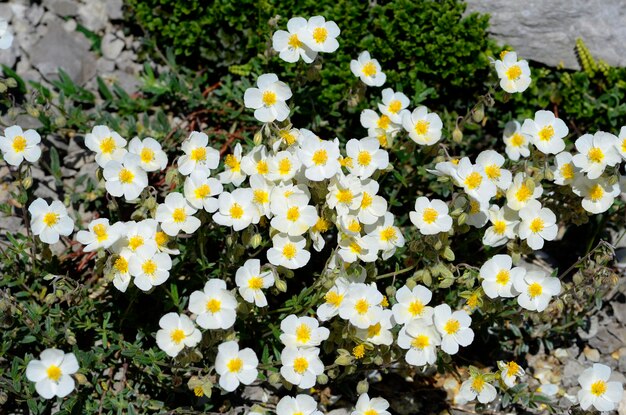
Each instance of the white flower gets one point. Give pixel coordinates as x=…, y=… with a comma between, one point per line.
x=385, y=235
x=373, y=406
x=288, y=251
x=300, y=405
x=286, y=137
x=547, y=389
x=215, y=306
x=344, y=194
x=378, y=333
x=377, y=124
x=412, y=304
x=6, y=37
x=498, y=276
x=200, y=191
x=620, y=145
x=393, y=104
x=320, y=158
x=522, y=191
x=235, y=366
x=301, y=366
x=514, y=75
x=269, y=99
x=302, y=332
x=237, y=209
x=474, y=181
x=175, y=214
x=256, y=162
x=454, y=328
x=491, y=163
x=372, y=206
x=289, y=43
x=197, y=154
x=421, y=339
x=162, y=239
x=504, y=222
x=149, y=267
x=509, y=372
x=537, y=224
x=546, y=132
x=536, y=290
x=152, y=157
x=283, y=166
x=368, y=70
x=140, y=234
x=598, y=195
x=233, y=173
x=262, y=190
x=17, y=145
x=423, y=127
x=333, y=299
x=431, y=217
x=352, y=248
x=125, y=178
x=49, y=221
x=477, y=214
x=100, y=234
x=107, y=144
x=596, y=153
x=366, y=157
x=119, y=268
x=597, y=391
x=477, y=387
x=320, y=35
x=361, y=305
x=516, y=142
x=251, y=281
x=294, y=217
x=564, y=170
x=177, y=331
x=52, y=373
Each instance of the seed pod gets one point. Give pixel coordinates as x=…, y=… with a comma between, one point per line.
x=362, y=387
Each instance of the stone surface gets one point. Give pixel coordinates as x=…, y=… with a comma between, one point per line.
x=546, y=31
x=60, y=49
x=62, y=7
x=111, y=46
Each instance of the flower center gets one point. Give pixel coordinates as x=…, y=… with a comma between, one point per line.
x=598, y=388
x=236, y=211
x=567, y=171
x=371, y=411
x=523, y=193
x=421, y=127
x=149, y=267
x=473, y=180
x=513, y=73
x=537, y=225
x=289, y=251
x=235, y=365
x=492, y=171
x=300, y=365
x=202, y=191
x=430, y=215
x=232, y=162
x=121, y=265
x=373, y=331
x=287, y=136
x=535, y=289
x=452, y=326
x=333, y=298
x=135, y=242
x=303, y=334
x=293, y=213
x=322, y=225
x=126, y=176
x=517, y=140
x=100, y=230
x=478, y=383
x=355, y=248
x=269, y=98
x=344, y=196
x=421, y=341
x=546, y=133
x=369, y=69
x=362, y=306
x=54, y=372
x=354, y=226
x=364, y=158
x=261, y=197
x=179, y=215
x=51, y=219
x=147, y=155
x=213, y=305
x=320, y=157
x=503, y=277
x=320, y=34
x=177, y=336
x=19, y=144
x=416, y=308
x=284, y=166
x=388, y=234
x=366, y=201
x=294, y=42
x=395, y=106
x=255, y=283
x=107, y=146
x=261, y=167
x=513, y=369
x=474, y=207
x=161, y=238
x=198, y=154
x=596, y=193
x=383, y=122
x=499, y=227
x=595, y=155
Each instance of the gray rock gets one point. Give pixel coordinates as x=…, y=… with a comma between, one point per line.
x=8, y=57
x=619, y=311
x=70, y=25
x=104, y=66
x=111, y=46
x=93, y=14
x=62, y=7
x=60, y=49
x=114, y=9
x=34, y=14
x=6, y=12
x=546, y=31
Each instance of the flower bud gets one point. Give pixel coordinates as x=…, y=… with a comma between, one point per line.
x=60, y=121
x=390, y=291
x=462, y=218
x=344, y=360
x=11, y=82
x=258, y=138
x=32, y=111
x=256, y=240
x=80, y=378
x=479, y=113
x=3, y=88
x=275, y=378
x=281, y=285
x=362, y=387
x=322, y=379
x=27, y=182
x=457, y=135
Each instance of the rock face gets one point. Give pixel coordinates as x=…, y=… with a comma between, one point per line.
x=546, y=30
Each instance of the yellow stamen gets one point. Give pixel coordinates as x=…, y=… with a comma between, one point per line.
x=289, y=251
x=213, y=305
x=452, y=326
x=107, y=145
x=300, y=365
x=54, y=373
x=430, y=215
x=235, y=365
x=269, y=98
x=19, y=144
x=177, y=336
